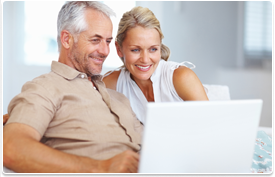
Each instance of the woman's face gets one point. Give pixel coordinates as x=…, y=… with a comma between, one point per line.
x=141, y=50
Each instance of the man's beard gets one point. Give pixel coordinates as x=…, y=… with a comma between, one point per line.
x=82, y=64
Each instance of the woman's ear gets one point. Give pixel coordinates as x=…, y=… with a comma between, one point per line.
x=66, y=39
x=118, y=50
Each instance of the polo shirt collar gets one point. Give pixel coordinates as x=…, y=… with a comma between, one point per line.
x=65, y=71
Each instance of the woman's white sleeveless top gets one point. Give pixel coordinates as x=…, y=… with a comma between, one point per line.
x=163, y=87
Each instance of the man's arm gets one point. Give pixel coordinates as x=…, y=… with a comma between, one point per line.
x=5, y=118
x=22, y=152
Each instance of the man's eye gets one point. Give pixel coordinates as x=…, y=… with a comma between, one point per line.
x=95, y=40
x=109, y=41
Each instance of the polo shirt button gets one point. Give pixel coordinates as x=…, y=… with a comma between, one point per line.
x=82, y=76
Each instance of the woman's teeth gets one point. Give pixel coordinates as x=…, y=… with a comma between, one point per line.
x=141, y=67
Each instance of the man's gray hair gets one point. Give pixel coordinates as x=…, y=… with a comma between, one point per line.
x=71, y=16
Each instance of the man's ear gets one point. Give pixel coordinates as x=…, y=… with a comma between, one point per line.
x=118, y=50
x=66, y=39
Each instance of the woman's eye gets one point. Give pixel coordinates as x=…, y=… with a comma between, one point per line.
x=154, y=49
x=135, y=50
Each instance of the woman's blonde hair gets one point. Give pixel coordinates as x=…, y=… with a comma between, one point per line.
x=140, y=16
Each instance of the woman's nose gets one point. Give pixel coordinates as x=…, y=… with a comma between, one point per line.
x=144, y=57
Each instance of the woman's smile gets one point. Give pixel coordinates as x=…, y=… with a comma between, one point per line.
x=143, y=67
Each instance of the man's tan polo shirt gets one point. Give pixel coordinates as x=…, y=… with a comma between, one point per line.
x=73, y=117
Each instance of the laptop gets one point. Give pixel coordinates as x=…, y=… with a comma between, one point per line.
x=200, y=136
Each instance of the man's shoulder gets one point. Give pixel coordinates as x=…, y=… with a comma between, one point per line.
x=46, y=81
x=46, y=78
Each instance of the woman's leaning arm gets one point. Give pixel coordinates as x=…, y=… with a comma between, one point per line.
x=188, y=85
x=110, y=80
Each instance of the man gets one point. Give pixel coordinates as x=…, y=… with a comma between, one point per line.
x=84, y=127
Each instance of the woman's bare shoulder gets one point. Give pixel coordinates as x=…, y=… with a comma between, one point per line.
x=110, y=80
x=183, y=72
x=187, y=84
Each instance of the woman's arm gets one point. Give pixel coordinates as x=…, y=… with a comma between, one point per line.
x=188, y=85
x=111, y=80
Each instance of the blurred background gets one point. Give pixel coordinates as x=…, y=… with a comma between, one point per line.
x=230, y=42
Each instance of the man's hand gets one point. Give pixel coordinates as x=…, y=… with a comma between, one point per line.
x=5, y=118
x=125, y=162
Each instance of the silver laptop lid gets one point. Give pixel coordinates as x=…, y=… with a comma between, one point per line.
x=200, y=136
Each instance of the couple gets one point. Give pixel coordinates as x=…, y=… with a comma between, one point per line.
x=68, y=121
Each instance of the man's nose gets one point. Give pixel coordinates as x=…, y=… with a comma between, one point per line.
x=104, y=48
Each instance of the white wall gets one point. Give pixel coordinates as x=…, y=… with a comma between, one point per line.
x=250, y=84
x=204, y=33
x=15, y=72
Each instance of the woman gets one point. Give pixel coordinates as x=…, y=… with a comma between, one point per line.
x=146, y=75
